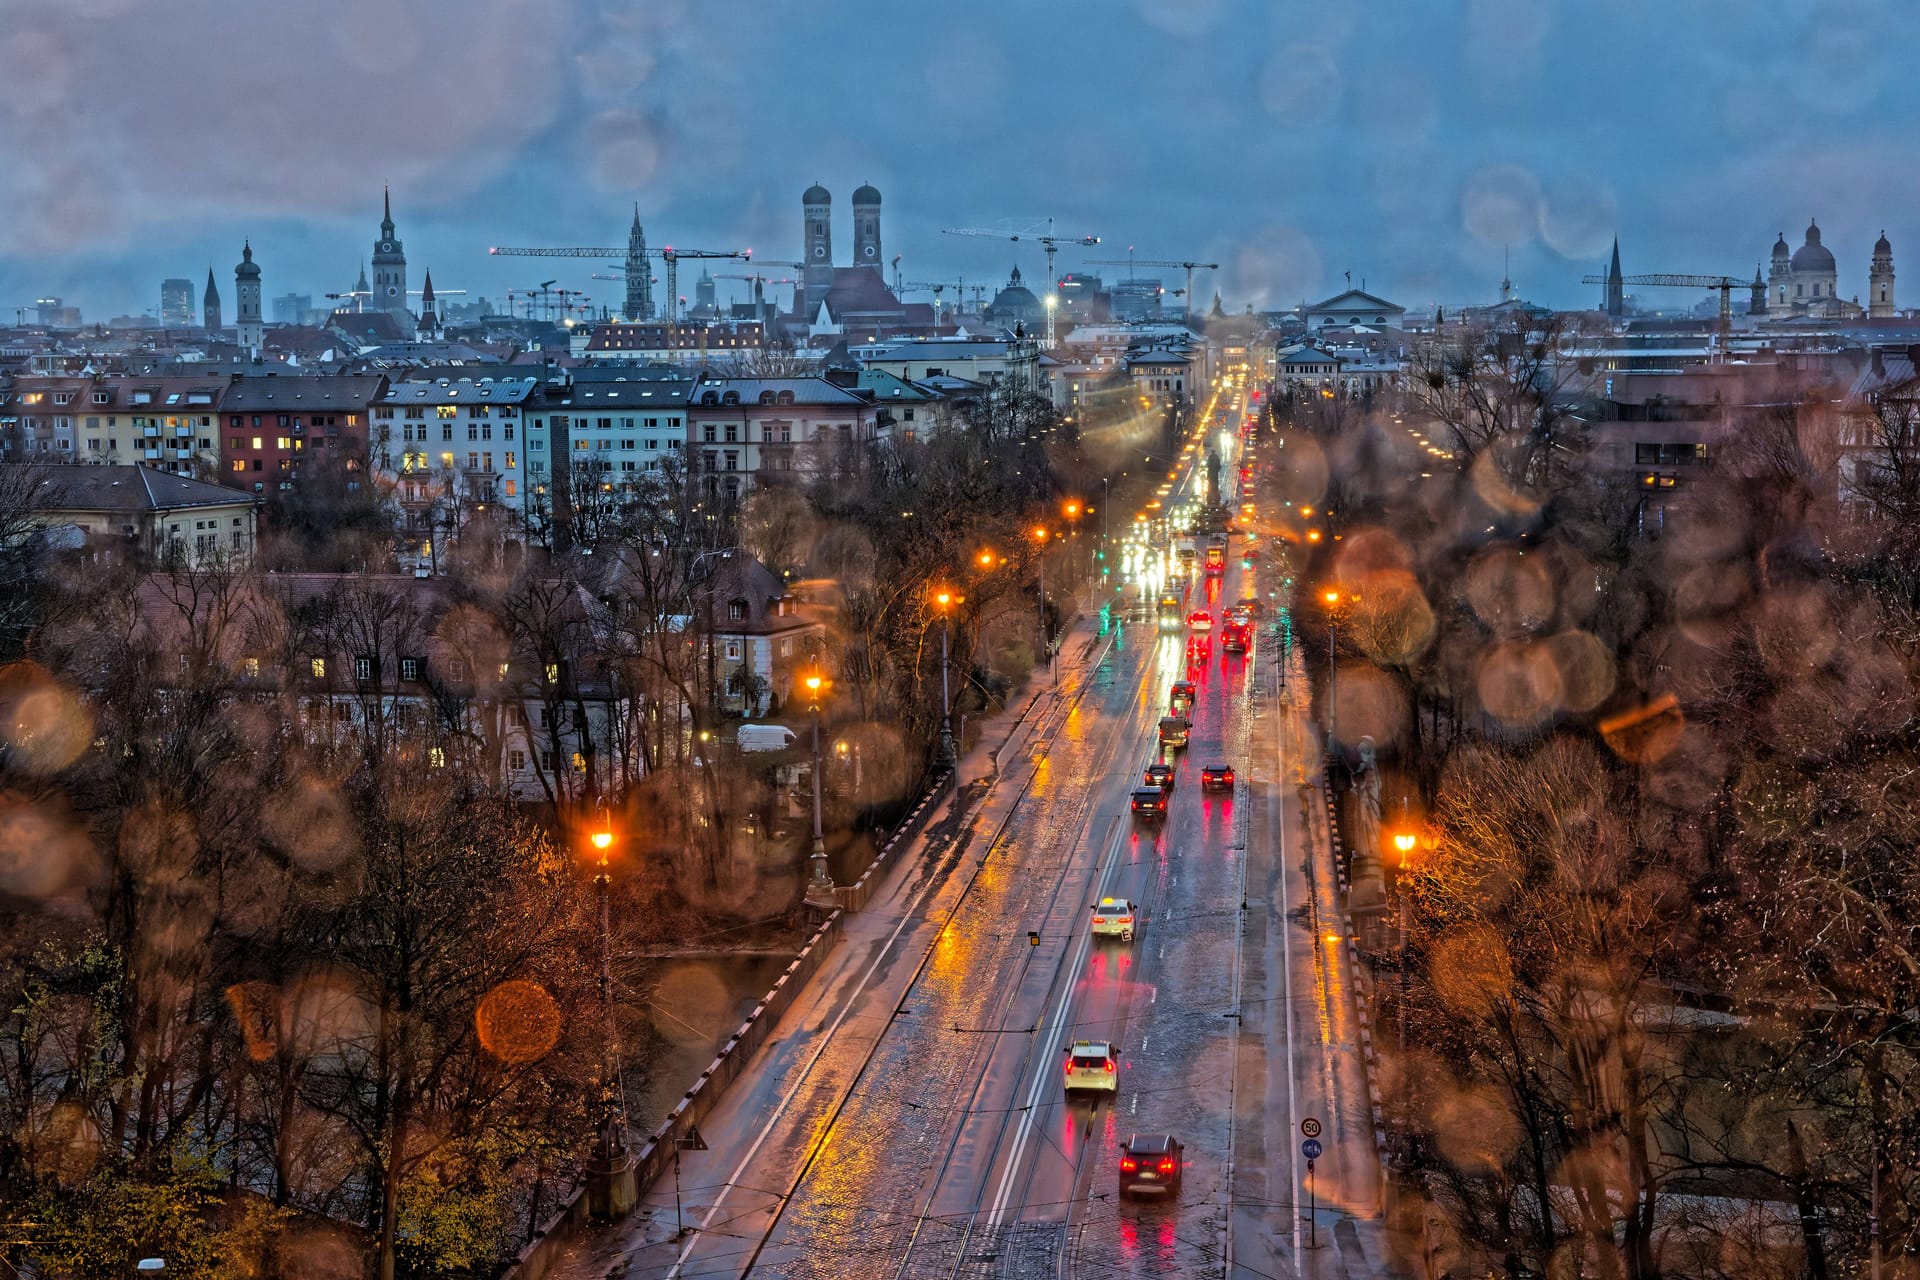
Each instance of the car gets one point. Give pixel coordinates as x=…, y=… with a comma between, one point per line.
x=1216, y=777
x=1093, y=1066
x=1182, y=696
x=1160, y=774
x=1200, y=622
x=1149, y=804
x=1174, y=731
x=1113, y=918
x=1151, y=1164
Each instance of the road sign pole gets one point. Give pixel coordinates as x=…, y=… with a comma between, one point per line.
x=1312, y=1150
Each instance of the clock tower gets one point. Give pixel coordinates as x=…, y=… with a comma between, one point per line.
x=389, y=268
x=817, y=238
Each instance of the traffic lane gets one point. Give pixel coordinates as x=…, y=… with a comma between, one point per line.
x=1024, y=1061
x=1162, y=998
x=1038, y=1166
x=860, y=1198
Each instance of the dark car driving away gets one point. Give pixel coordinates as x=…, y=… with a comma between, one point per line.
x=1151, y=1164
x=1216, y=777
x=1150, y=804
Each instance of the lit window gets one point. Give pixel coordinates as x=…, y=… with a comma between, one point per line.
x=253, y=668
x=579, y=762
x=319, y=668
x=436, y=758
x=257, y=440
x=553, y=673
x=445, y=410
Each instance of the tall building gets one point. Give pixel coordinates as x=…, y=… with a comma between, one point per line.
x=1880, y=281
x=639, y=273
x=1134, y=301
x=248, y=330
x=289, y=307
x=210, y=305
x=1616, y=285
x=176, y=303
x=390, y=268
x=866, y=227
x=816, y=205
x=1757, y=298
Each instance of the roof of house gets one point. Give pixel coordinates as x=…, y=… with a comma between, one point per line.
x=369, y=328
x=749, y=390
x=461, y=391
x=280, y=392
x=1354, y=300
x=884, y=387
x=117, y=488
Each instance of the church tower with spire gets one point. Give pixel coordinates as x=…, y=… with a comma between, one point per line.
x=248, y=328
x=1757, y=302
x=389, y=266
x=429, y=327
x=210, y=305
x=639, y=273
x=1616, y=285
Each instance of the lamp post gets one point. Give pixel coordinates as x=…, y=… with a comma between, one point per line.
x=1403, y=841
x=819, y=879
x=611, y=1186
x=1040, y=566
x=1332, y=598
x=945, y=600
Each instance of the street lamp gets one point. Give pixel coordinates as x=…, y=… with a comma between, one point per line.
x=945, y=600
x=819, y=880
x=609, y=1165
x=1040, y=566
x=1331, y=597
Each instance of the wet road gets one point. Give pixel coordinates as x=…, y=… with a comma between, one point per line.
x=909, y=1121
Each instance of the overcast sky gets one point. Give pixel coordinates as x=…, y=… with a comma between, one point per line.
x=1405, y=141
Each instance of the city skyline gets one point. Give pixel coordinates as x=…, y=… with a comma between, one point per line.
x=1433, y=146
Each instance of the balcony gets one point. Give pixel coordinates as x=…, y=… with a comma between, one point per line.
x=184, y=455
x=151, y=455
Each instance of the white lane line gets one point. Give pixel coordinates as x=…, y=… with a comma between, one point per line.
x=1278, y=808
x=1041, y=1078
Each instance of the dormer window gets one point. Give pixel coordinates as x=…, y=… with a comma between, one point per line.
x=736, y=611
x=785, y=397
x=709, y=398
x=732, y=397
x=766, y=397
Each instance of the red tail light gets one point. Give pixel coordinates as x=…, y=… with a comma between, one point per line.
x=1124, y=920
x=1166, y=1166
x=1128, y=1164
x=1109, y=1068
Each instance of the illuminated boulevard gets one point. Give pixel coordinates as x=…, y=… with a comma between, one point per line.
x=908, y=1117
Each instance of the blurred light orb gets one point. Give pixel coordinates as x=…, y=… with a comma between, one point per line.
x=1510, y=593
x=1518, y=684
x=39, y=854
x=1500, y=204
x=1585, y=667
x=517, y=1022
x=45, y=726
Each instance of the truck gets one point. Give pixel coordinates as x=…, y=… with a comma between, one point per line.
x=765, y=737
x=1216, y=558
x=1185, y=550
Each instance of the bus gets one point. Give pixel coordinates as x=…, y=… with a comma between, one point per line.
x=1169, y=612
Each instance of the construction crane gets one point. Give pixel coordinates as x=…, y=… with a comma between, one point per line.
x=1047, y=239
x=1130, y=262
x=666, y=255
x=923, y=286
x=759, y=280
x=1675, y=280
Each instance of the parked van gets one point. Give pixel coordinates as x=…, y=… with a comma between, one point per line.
x=765, y=737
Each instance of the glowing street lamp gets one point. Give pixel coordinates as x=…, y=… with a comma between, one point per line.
x=945, y=598
x=1040, y=566
x=819, y=878
x=609, y=1163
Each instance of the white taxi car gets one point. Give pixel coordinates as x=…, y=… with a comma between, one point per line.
x=1093, y=1066
x=1113, y=918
